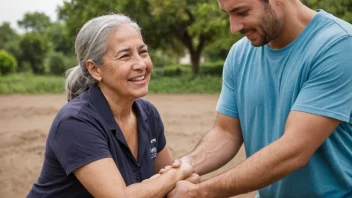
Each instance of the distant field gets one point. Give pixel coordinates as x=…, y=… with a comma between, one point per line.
x=30, y=84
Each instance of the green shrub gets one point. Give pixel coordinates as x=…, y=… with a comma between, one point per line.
x=30, y=83
x=56, y=63
x=212, y=68
x=188, y=83
x=8, y=63
x=176, y=70
x=25, y=67
x=160, y=59
x=34, y=49
x=173, y=70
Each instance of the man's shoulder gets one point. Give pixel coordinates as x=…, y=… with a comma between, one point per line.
x=327, y=32
x=340, y=26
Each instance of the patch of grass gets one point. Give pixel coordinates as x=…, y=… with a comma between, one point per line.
x=204, y=84
x=32, y=84
x=29, y=83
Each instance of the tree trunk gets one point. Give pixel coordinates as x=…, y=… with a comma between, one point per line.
x=195, y=60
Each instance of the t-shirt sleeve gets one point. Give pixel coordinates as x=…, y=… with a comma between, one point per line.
x=78, y=142
x=160, y=132
x=328, y=90
x=227, y=103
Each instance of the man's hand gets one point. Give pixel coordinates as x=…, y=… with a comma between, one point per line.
x=194, y=178
x=185, y=189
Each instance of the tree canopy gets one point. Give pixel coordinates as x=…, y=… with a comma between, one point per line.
x=35, y=22
x=165, y=24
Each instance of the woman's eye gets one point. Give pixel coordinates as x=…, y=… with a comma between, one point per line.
x=144, y=53
x=124, y=56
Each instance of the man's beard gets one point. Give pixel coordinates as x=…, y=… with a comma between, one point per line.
x=269, y=25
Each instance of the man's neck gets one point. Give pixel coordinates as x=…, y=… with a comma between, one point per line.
x=295, y=20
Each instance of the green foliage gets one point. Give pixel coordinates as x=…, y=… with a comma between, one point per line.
x=8, y=63
x=203, y=84
x=7, y=35
x=214, y=68
x=339, y=8
x=56, y=63
x=29, y=83
x=34, y=22
x=25, y=67
x=195, y=24
x=160, y=59
x=168, y=25
x=176, y=70
x=76, y=12
x=172, y=71
x=56, y=35
x=34, y=49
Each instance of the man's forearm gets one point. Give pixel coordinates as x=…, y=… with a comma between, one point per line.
x=213, y=151
x=263, y=168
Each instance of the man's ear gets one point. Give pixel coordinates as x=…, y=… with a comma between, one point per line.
x=94, y=71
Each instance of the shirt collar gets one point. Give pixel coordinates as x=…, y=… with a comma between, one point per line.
x=99, y=102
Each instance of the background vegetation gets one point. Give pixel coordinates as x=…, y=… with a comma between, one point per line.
x=35, y=61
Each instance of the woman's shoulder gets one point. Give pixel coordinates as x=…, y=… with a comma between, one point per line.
x=76, y=109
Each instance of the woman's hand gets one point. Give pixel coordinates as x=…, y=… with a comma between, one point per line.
x=193, y=178
x=186, y=169
x=176, y=164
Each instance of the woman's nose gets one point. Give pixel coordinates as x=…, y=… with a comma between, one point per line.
x=139, y=63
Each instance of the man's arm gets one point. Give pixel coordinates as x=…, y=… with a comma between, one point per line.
x=217, y=147
x=304, y=133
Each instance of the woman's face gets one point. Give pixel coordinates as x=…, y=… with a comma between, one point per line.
x=127, y=64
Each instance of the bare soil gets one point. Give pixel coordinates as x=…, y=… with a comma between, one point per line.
x=25, y=121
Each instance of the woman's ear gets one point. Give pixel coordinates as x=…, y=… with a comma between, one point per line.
x=94, y=71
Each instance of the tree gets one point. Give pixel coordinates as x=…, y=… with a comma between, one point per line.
x=165, y=24
x=7, y=35
x=56, y=35
x=33, y=50
x=194, y=23
x=36, y=22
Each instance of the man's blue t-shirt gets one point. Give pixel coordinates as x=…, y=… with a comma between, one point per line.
x=313, y=74
x=84, y=131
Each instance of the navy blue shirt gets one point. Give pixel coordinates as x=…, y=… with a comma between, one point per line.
x=84, y=131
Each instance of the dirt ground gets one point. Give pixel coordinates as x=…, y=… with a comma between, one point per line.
x=25, y=121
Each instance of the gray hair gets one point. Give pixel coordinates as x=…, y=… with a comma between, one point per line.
x=91, y=43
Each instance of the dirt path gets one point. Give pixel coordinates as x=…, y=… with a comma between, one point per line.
x=25, y=121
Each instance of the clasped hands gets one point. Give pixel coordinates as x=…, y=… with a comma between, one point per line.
x=187, y=187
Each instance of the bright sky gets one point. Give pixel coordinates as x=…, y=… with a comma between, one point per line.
x=14, y=10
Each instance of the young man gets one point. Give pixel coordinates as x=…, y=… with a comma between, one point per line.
x=287, y=95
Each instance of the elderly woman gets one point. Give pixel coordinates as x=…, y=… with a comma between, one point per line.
x=106, y=140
